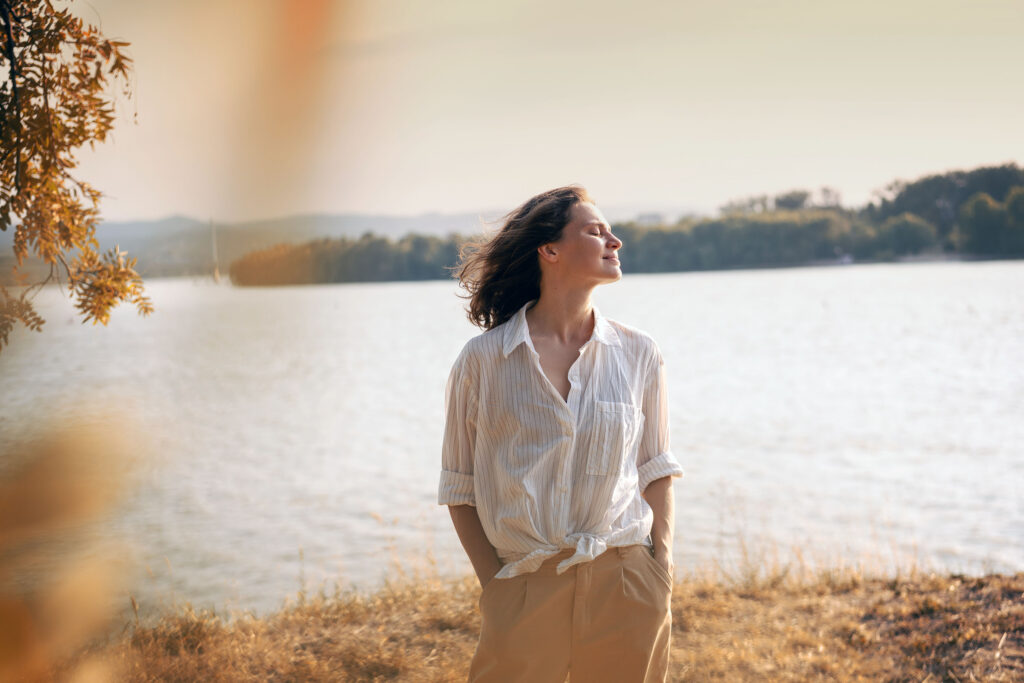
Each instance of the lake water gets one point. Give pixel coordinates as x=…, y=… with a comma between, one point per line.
x=846, y=414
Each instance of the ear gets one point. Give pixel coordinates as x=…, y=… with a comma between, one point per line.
x=548, y=252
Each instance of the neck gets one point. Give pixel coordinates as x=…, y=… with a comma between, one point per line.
x=566, y=315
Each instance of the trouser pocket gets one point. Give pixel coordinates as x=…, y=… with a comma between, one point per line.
x=658, y=568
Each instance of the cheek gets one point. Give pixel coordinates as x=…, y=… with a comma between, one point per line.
x=585, y=255
x=584, y=251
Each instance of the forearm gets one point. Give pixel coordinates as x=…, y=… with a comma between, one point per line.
x=474, y=541
x=660, y=497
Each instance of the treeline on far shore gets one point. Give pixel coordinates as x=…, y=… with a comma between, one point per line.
x=976, y=213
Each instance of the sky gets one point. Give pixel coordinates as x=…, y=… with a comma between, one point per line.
x=249, y=109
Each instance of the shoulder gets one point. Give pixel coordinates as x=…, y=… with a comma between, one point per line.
x=480, y=350
x=636, y=343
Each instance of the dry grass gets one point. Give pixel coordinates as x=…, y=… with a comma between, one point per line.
x=768, y=626
x=839, y=625
x=759, y=621
x=423, y=631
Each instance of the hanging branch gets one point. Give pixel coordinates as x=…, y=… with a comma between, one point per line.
x=58, y=102
x=7, y=17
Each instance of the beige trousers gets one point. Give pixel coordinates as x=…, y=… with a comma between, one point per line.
x=602, y=621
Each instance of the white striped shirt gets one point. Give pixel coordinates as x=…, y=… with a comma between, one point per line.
x=547, y=473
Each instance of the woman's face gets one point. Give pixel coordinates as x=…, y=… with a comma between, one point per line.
x=587, y=251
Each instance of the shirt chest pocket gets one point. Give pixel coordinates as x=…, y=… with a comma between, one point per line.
x=616, y=435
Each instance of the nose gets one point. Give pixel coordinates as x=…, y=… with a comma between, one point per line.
x=613, y=241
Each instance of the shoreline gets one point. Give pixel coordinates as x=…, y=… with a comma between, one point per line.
x=927, y=257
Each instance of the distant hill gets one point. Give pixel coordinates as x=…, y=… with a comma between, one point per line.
x=180, y=245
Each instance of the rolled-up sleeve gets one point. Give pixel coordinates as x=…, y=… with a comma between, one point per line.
x=655, y=459
x=456, y=485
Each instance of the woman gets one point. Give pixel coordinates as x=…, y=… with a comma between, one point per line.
x=555, y=461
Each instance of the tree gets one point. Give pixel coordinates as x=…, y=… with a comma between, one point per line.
x=793, y=200
x=830, y=198
x=754, y=204
x=907, y=234
x=939, y=198
x=985, y=223
x=53, y=100
x=1015, y=213
x=1015, y=205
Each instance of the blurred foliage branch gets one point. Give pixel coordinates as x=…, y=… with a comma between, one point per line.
x=54, y=99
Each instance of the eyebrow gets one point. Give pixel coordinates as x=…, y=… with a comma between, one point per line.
x=596, y=222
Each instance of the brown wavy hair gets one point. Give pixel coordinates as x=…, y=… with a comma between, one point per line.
x=502, y=272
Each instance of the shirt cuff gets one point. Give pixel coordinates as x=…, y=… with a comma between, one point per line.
x=455, y=488
x=662, y=465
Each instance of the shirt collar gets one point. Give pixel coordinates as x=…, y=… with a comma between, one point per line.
x=518, y=332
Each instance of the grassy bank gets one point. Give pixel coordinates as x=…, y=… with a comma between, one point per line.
x=825, y=625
